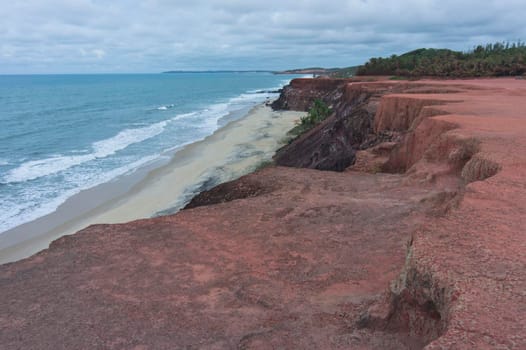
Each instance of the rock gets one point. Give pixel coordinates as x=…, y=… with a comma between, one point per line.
x=301, y=93
x=229, y=191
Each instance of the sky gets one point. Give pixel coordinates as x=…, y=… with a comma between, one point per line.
x=124, y=36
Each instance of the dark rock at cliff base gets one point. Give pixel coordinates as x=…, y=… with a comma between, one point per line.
x=229, y=191
x=332, y=144
x=329, y=146
x=301, y=93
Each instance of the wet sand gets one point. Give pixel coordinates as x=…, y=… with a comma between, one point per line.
x=162, y=188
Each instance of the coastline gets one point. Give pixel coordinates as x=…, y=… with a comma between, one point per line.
x=404, y=249
x=159, y=188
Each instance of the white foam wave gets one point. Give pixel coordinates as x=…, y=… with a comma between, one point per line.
x=43, y=167
x=126, y=138
x=184, y=116
x=36, y=168
x=18, y=212
x=15, y=214
x=247, y=98
x=166, y=107
x=211, y=115
x=271, y=90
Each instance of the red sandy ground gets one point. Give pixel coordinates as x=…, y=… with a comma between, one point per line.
x=312, y=260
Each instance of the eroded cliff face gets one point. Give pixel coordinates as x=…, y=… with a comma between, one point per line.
x=332, y=144
x=364, y=116
x=427, y=133
x=419, y=243
x=300, y=93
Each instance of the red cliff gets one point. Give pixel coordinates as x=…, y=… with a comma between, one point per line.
x=419, y=243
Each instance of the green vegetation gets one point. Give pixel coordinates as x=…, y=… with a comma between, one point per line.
x=499, y=59
x=317, y=113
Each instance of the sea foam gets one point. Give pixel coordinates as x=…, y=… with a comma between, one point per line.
x=166, y=107
x=37, y=187
x=35, y=169
x=13, y=214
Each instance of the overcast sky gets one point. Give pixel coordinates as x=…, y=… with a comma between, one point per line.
x=104, y=36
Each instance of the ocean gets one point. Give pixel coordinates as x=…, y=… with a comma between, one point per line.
x=61, y=134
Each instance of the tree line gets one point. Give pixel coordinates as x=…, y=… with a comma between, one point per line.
x=497, y=59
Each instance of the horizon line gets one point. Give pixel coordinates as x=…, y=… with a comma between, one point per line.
x=153, y=73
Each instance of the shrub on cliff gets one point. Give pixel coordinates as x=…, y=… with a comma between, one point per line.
x=317, y=113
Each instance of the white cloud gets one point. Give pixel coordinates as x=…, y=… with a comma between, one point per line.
x=99, y=53
x=153, y=35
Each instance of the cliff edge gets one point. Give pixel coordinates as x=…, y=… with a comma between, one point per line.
x=417, y=240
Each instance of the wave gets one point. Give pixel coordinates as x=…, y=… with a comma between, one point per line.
x=271, y=91
x=254, y=96
x=164, y=108
x=13, y=214
x=39, y=199
x=247, y=97
x=275, y=90
x=35, y=169
x=126, y=138
x=207, y=119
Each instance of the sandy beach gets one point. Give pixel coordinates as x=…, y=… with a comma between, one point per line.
x=232, y=151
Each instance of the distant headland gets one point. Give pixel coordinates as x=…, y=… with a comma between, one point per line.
x=215, y=71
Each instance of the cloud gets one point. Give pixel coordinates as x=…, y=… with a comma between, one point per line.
x=51, y=36
x=99, y=53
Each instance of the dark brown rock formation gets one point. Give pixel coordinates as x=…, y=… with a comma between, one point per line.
x=301, y=93
x=351, y=127
x=229, y=191
x=331, y=145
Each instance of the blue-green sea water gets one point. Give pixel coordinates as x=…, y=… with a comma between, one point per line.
x=60, y=134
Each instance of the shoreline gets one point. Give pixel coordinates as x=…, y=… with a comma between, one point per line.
x=161, y=187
